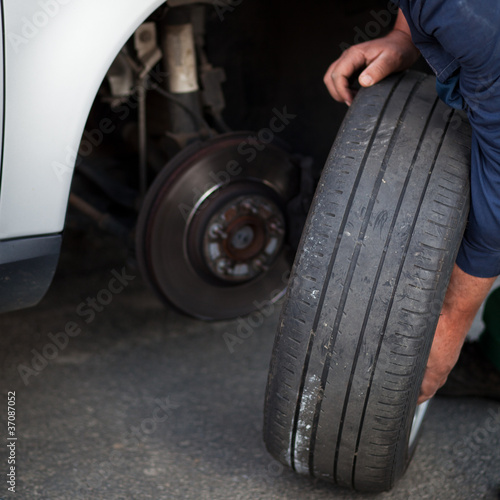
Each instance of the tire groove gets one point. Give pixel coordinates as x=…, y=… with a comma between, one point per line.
x=350, y=274
x=325, y=284
x=393, y=295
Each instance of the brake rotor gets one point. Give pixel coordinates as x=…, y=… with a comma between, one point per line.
x=211, y=235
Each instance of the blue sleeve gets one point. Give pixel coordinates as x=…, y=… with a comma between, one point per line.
x=470, y=31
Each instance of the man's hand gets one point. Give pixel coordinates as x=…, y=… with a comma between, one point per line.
x=463, y=299
x=381, y=57
x=445, y=350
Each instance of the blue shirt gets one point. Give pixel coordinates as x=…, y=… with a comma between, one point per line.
x=460, y=39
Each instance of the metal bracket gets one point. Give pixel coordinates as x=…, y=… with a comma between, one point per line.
x=146, y=45
x=149, y=54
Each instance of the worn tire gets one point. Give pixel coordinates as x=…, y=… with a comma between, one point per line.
x=367, y=287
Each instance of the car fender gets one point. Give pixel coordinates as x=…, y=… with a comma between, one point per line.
x=56, y=54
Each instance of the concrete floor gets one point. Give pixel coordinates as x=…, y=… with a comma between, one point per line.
x=148, y=404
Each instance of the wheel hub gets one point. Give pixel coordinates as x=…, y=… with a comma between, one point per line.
x=244, y=238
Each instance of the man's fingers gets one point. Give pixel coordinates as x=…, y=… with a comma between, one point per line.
x=422, y=399
x=435, y=377
x=338, y=74
x=330, y=82
x=378, y=66
x=338, y=85
x=425, y=394
x=339, y=89
x=379, y=57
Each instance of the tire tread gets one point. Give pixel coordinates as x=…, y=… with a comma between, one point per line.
x=361, y=293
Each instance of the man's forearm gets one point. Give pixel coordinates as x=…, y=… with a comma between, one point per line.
x=401, y=24
x=463, y=299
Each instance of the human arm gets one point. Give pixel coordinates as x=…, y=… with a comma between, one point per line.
x=463, y=298
x=474, y=42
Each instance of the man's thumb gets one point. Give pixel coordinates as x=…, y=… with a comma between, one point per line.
x=366, y=80
x=377, y=70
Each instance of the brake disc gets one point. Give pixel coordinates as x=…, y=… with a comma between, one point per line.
x=211, y=235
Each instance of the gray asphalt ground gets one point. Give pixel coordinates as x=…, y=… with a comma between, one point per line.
x=147, y=404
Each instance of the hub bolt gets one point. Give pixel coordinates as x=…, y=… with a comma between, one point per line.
x=275, y=227
x=248, y=206
x=259, y=265
x=223, y=266
x=216, y=231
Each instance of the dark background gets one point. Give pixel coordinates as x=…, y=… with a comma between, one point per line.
x=276, y=53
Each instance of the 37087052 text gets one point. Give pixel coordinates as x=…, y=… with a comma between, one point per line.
x=11, y=441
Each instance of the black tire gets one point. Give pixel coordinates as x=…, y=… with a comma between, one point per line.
x=367, y=287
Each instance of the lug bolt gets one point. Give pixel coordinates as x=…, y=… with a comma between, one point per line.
x=216, y=231
x=259, y=265
x=275, y=227
x=249, y=207
x=223, y=266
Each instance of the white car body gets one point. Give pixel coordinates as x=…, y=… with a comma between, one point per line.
x=56, y=54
